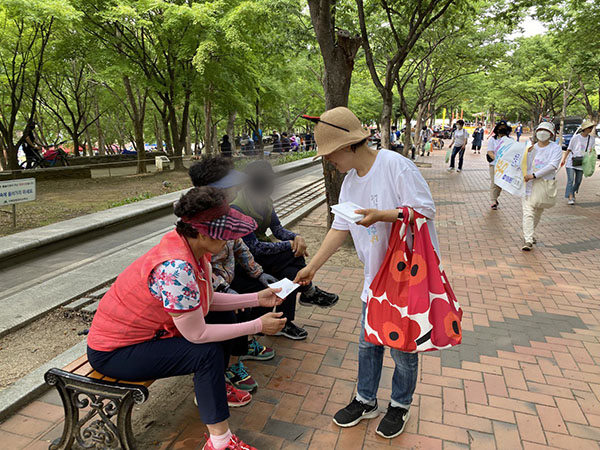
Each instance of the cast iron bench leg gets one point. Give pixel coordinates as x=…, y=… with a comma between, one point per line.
x=106, y=409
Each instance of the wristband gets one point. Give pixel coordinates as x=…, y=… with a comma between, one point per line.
x=400, y=215
x=533, y=175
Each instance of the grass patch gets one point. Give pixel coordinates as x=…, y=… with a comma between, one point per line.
x=128, y=200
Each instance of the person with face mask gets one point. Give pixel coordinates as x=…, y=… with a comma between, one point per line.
x=543, y=159
x=282, y=259
x=500, y=136
x=573, y=158
x=458, y=144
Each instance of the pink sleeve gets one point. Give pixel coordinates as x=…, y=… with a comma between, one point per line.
x=193, y=327
x=231, y=302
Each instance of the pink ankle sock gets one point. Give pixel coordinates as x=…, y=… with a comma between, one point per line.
x=219, y=442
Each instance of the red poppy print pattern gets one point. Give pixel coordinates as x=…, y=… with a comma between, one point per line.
x=411, y=305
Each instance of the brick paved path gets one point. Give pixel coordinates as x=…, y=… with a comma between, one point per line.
x=526, y=376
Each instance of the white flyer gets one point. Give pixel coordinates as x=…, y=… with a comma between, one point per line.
x=287, y=287
x=346, y=211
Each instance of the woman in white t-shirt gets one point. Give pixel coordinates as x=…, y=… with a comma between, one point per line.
x=579, y=145
x=543, y=160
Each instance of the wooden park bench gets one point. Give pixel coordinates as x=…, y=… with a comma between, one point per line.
x=97, y=408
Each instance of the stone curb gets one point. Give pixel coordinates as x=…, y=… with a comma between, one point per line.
x=31, y=385
x=26, y=241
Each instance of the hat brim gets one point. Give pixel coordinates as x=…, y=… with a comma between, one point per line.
x=232, y=179
x=328, y=149
x=233, y=225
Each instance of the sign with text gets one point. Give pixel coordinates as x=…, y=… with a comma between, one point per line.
x=17, y=191
x=508, y=174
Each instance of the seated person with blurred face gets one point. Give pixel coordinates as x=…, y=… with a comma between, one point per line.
x=235, y=257
x=161, y=317
x=284, y=258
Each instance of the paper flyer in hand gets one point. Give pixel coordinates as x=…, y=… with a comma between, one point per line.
x=346, y=211
x=287, y=287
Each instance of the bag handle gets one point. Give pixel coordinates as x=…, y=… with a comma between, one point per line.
x=587, y=144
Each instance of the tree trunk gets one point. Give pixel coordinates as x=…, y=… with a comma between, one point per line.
x=168, y=142
x=231, y=129
x=101, y=149
x=386, y=119
x=89, y=144
x=158, y=134
x=3, y=160
x=208, y=128
x=138, y=111
x=338, y=49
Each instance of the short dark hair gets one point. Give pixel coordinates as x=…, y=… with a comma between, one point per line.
x=193, y=202
x=209, y=169
x=460, y=122
x=353, y=147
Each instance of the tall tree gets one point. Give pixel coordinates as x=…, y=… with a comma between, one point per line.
x=338, y=48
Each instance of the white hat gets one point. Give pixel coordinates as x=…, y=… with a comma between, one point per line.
x=548, y=126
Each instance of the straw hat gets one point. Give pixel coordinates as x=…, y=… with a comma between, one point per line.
x=587, y=123
x=336, y=129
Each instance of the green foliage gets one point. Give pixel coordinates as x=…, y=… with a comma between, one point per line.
x=128, y=200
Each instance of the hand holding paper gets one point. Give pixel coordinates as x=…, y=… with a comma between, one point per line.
x=287, y=287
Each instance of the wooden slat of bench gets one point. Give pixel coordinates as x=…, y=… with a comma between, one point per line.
x=84, y=370
x=76, y=364
x=81, y=366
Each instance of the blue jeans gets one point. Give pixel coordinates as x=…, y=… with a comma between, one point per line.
x=461, y=156
x=370, y=364
x=574, y=177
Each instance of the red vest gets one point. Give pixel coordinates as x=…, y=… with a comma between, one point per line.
x=129, y=314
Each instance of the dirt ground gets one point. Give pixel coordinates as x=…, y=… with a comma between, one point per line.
x=39, y=342
x=65, y=199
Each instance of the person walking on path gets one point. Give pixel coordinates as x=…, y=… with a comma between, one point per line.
x=499, y=137
x=573, y=157
x=226, y=149
x=519, y=131
x=477, y=139
x=458, y=145
x=543, y=160
x=379, y=181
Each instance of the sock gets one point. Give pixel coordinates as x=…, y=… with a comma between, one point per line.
x=219, y=442
x=310, y=291
x=396, y=404
x=364, y=400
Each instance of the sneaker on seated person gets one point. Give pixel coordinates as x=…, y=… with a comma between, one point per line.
x=238, y=375
x=292, y=331
x=258, y=352
x=233, y=443
x=318, y=297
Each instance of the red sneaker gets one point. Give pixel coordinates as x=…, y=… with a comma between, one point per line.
x=234, y=444
x=236, y=397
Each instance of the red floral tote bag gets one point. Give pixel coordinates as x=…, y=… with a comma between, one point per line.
x=411, y=305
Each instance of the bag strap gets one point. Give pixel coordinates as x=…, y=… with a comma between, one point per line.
x=587, y=144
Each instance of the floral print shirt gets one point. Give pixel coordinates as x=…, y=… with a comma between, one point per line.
x=174, y=284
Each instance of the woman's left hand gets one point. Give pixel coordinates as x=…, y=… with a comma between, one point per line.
x=268, y=298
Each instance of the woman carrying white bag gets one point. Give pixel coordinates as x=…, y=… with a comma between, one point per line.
x=543, y=160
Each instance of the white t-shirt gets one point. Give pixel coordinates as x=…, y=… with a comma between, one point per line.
x=392, y=181
x=578, y=146
x=543, y=161
x=460, y=137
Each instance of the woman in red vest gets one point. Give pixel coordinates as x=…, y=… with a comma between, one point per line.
x=152, y=322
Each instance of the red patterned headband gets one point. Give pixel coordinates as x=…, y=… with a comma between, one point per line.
x=207, y=215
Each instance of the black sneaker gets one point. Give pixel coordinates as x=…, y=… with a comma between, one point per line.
x=393, y=422
x=319, y=298
x=291, y=331
x=354, y=413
